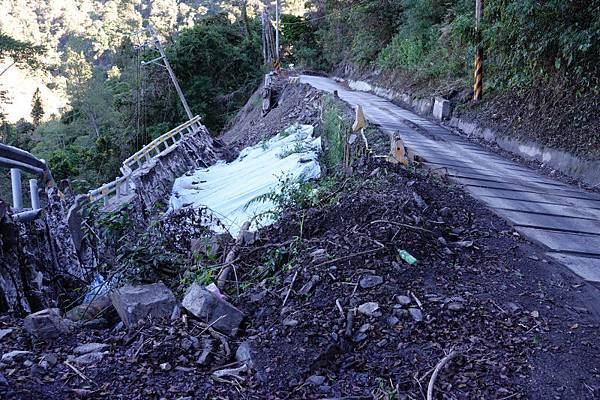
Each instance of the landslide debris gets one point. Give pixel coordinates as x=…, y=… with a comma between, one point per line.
x=323, y=304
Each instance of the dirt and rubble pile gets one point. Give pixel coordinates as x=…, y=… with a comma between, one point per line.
x=295, y=103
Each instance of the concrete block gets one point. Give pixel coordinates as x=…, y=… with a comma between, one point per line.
x=212, y=309
x=423, y=106
x=134, y=303
x=441, y=108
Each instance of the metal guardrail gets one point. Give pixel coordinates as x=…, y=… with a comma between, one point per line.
x=145, y=154
x=122, y=185
x=20, y=160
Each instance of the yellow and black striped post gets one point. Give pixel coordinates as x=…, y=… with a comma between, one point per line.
x=478, y=75
x=277, y=65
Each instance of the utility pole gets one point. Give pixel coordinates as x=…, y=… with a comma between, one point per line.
x=277, y=7
x=277, y=59
x=163, y=58
x=478, y=73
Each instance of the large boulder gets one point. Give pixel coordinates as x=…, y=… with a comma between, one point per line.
x=46, y=324
x=135, y=303
x=212, y=309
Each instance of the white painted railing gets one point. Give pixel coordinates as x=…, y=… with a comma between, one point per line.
x=174, y=135
x=18, y=161
x=121, y=186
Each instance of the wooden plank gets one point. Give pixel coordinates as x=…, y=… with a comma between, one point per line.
x=562, y=242
x=586, y=267
x=542, y=208
x=526, y=219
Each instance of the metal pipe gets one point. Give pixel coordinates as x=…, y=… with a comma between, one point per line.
x=17, y=195
x=23, y=156
x=26, y=216
x=11, y=163
x=35, y=196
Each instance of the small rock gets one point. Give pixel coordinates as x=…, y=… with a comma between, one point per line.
x=90, y=348
x=118, y=326
x=89, y=358
x=318, y=256
x=186, y=344
x=50, y=358
x=464, y=243
x=15, y=355
x=535, y=314
x=513, y=307
x=37, y=371
x=359, y=337
x=316, y=380
x=392, y=321
x=308, y=286
x=445, y=212
x=5, y=332
x=404, y=300
x=183, y=359
x=207, y=348
x=369, y=281
x=243, y=354
x=370, y=309
x=325, y=389
x=455, y=306
x=165, y=366
x=3, y=381
x=27, y=363
x=290, y=322
x=256, y=297
x=382, y=343
x=416, y=314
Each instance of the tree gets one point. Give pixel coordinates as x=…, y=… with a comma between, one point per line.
x=37, y=110
x=23, y=54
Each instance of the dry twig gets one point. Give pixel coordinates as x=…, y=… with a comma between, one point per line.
x=436, y=372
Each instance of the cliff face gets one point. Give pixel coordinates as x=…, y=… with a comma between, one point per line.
x=38, y=260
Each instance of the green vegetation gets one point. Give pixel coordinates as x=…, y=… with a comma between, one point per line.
x=37, y=109
x=526, y=42
x=335, y=133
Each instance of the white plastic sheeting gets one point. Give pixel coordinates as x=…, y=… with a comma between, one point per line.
x=227, y=188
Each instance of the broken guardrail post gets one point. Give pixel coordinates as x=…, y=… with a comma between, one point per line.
x=35, y=196
x=17, y=195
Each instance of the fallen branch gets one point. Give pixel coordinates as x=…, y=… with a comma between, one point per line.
x=382, y=221
x=436, y=372
x=78, y=372
x=231, y=256
x=290, y=289
x=362, y=253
